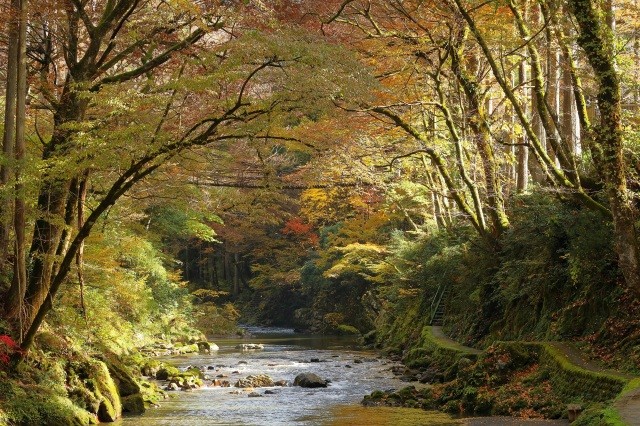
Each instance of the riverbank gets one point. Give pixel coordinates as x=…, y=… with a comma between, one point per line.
x=62, y=383
x=457, y=380
x=548, y=380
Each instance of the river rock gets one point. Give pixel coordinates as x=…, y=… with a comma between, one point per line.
x=310, y=380
x=431, y=375
x=172, y=387
x=207, y=347
x=221, y=383
x=250, y=346
x=150, y=368
x=133, y=404
x=166, y=372
x=254, y=395
x=281, y=383
x=255, y=381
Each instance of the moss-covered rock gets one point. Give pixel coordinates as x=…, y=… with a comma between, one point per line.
x=133, y=404
x=408, y=396
x=121, y=376
x=417, y=358
x=346, y=329
x=151, y=394
x=107, y=412
x=186, y=349
x=151, y=367
x=48, y=341
x=35, y=405
x=196, y=372
x=166, y=372
x=94, y=374
x=85, y=399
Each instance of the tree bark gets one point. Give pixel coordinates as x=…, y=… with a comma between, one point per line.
x=8, y=137
x=20, y=222
x=522, y=180
x=597, y=42
x=14, y=306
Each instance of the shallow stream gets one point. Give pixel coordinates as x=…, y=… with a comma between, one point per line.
x=353, y=373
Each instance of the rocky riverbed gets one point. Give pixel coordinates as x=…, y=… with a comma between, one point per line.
x=260, y=389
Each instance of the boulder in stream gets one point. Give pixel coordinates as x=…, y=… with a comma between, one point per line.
x=255, y=381
x=205, y=347
x=310, y=380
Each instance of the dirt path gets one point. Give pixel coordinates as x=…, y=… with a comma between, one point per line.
x=437, y=332
x=577, y=357
x=629, y=407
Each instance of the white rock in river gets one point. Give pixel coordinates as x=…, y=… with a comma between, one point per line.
x=250, y=346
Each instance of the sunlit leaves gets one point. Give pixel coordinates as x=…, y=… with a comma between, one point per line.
x=356, y=258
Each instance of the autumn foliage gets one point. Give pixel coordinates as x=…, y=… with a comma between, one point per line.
x=301, y=231
x=7, y=348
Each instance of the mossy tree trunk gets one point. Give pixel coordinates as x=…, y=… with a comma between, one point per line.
x=15, y=150
x=596, y=39
x=478, y=122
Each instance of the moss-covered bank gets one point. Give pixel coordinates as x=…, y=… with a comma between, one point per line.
x=59, y=384
x=528, y=379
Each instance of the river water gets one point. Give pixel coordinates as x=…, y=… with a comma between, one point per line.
x=353, y=373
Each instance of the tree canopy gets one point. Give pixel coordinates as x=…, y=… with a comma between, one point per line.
x=274, y=146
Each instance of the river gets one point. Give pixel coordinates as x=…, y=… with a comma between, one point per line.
x=353, y=373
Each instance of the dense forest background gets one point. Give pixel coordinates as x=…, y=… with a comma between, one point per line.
x=356, y=166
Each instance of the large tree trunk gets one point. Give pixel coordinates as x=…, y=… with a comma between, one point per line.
x=596, y=40
x=8, y=139
x=56, y=207
x=552, y=94
x=20, y=222
x=14, y=303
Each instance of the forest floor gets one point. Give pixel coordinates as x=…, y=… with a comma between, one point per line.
x=627, y=406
